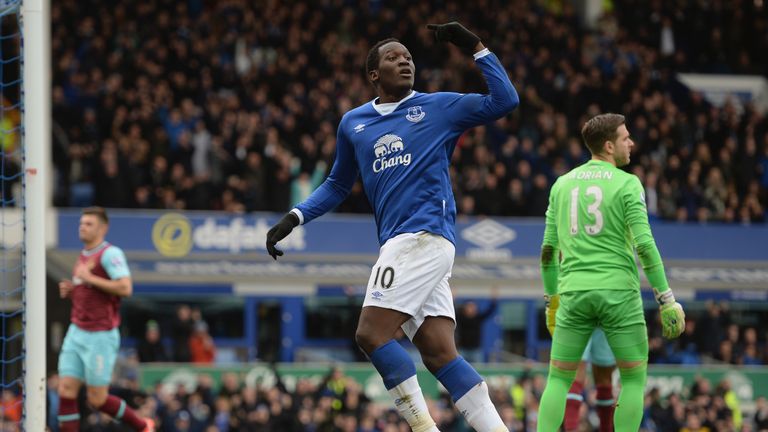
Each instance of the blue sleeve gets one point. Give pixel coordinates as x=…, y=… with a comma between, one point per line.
x=469, y=110
x=114, y=262
x=336, y=187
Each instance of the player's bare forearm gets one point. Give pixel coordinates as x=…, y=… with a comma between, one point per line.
x=122, y=287
x=479, y=47
x=65, y=288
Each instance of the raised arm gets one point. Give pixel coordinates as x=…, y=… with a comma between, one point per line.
x=475, y=109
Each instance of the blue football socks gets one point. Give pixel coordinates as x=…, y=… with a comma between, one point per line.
x=393, y=363
x=458, y=377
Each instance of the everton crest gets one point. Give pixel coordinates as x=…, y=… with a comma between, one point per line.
x=415, y=114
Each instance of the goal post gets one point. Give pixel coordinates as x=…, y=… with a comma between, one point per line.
x=36, y=53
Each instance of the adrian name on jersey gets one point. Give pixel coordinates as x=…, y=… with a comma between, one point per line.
x=590, y=175
x=389, y=153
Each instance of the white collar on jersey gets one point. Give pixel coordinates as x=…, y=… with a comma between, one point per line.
x=389, y=107
x=89, y=252
x=386, y=108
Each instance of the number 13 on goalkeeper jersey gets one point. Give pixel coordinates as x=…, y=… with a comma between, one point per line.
x=596, y=218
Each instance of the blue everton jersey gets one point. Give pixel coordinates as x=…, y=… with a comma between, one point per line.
x=403, y=155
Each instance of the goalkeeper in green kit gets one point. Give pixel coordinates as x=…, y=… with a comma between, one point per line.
x=596, y=217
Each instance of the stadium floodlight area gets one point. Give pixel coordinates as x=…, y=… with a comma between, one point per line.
x=24, y=150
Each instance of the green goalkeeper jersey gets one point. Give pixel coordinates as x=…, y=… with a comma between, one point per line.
x=595, y=219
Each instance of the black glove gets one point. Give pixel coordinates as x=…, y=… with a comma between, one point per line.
x=457, y=34
x=279, y=232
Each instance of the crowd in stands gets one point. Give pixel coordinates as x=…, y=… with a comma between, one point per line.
x=233, y=105
x=714, y=334
x=191, y=341
x=705, y=409
x=338, y=403
x=711, y=336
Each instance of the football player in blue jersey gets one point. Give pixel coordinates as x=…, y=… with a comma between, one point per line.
x=401, y=144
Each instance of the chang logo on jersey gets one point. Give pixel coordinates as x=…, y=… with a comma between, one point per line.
x=389, y=153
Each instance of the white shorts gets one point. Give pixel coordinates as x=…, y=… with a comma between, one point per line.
x=411, y=276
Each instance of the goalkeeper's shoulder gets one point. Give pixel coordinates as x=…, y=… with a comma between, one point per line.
x=558, y=184
x=632, y=191
x=627, y=179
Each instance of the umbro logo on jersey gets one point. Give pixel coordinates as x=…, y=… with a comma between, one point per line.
x=377, y=295
x=359, y=128
x=389, y=153
x=415, y=114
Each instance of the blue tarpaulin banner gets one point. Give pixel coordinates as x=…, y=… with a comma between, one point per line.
x=185, y=234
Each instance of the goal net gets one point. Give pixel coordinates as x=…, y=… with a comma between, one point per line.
x=11, y=218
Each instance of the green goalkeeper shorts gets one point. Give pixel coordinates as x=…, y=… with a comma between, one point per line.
x=618, y=312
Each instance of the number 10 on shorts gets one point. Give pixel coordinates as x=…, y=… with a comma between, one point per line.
x=387, y=277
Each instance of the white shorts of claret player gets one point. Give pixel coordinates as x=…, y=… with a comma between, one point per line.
x=411, y=276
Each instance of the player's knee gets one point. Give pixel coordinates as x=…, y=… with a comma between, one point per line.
x=367, y=340
x=68, y=388
x=629, y=364
x=565, y=365
x=633, y=372
x=435, y=361
x=97, y=397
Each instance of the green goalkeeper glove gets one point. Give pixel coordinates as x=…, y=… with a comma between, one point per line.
x=551, y=303
x=672, y=315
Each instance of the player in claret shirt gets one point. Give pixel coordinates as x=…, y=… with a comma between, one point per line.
x=401, y=144
x=99, y=280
